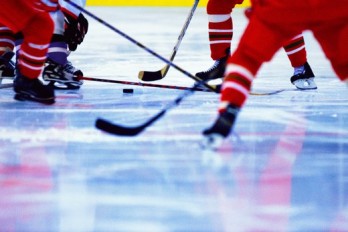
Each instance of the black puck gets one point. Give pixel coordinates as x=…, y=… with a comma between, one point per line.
x=128, y=90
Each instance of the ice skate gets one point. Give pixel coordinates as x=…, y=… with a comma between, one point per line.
x=32, y=90
x=216, y=71
x=62, y=77
x=7, y=66
x=214, y=136
x=304, y=79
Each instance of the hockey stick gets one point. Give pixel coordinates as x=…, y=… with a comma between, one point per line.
x=115, y=129
x=272, y=92
x=213, y=88
x=144, y=84
x=160, y=74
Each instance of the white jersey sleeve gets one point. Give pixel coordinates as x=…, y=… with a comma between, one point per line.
x=71, y=10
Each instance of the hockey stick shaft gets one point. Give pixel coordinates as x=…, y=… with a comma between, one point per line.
x=143, y=84
x=163, y=86
x=153, y=76
x=115, y=129
x=142, y=46
x=182, y=34
x=272, y=92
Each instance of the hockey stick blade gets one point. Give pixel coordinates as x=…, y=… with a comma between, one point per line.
x=160, y=74
x=151, y=75
x=115, y=129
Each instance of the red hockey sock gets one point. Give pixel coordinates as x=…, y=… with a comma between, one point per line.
x=296, y=51
x=6, y=39
x=220, y=36
x=33, y=51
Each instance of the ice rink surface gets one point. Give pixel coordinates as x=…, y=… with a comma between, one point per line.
x=284, y=168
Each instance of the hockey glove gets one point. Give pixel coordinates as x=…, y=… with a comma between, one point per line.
x=75, y=31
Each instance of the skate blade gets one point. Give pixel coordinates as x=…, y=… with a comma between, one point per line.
x=6, y=78
x=211, y=142
x=305, y=84
x=65, y=86
x=28, y=97
x=7, y=85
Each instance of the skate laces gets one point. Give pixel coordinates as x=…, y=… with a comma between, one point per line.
x=299, y=70
x=72, y=73
x=214, y=66
x=68, y=67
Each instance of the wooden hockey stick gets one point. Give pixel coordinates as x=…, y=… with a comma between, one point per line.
x=160, y=74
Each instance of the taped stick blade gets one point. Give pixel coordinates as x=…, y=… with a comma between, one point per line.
x=153, y=75
x=150, y=76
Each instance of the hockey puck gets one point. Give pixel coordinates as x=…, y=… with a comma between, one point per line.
x=128, y=90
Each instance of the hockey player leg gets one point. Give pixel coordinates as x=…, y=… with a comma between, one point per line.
x=58, y=71
x=220, y=31
x=214, y=136
x=303, y=77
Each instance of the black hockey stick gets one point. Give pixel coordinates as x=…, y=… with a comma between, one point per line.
x=144, y=84
x=115, y=129
x=160, y=74
x=213, y=88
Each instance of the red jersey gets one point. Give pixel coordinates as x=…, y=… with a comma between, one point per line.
x=46, y=5
x=16, y=14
